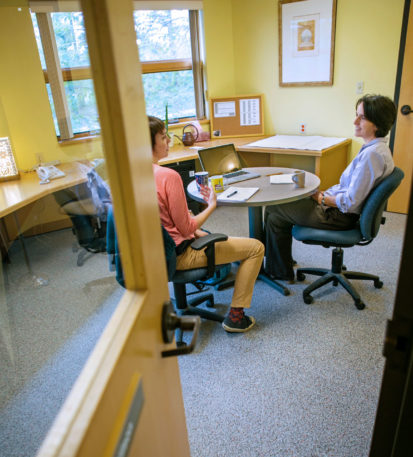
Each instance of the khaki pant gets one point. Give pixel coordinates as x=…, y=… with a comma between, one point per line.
x=249, y=251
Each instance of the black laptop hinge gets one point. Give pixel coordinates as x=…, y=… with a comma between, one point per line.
x=398, y=343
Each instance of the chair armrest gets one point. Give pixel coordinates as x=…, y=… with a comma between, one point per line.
x=208, y=242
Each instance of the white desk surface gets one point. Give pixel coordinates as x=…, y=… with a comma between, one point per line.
x=269, y=194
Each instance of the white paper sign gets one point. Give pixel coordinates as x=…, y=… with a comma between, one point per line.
x=224, y=109
x=249, y=111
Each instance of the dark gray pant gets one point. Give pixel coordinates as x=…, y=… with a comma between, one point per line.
x=279, y=221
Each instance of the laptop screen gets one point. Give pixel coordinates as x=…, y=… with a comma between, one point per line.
x=219, y=160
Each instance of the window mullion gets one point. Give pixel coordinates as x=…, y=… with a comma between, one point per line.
x=197, y=64
x=54, y=74
x=158, y=66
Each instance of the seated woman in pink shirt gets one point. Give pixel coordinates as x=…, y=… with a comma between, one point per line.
x=185, y=227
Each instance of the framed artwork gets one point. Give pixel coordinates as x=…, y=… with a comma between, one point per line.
x=306, y=42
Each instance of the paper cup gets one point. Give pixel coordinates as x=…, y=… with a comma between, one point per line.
x=217, y=183
x=201, y=179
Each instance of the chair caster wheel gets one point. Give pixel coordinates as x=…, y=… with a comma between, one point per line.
x=210, y=304
x=378, y=284
x=308, y=299
x=286, y=292
x=300, y=276
x=344, y=268
x=335, y=282
x=359, y=304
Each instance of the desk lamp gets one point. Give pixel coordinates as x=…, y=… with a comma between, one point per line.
x=8, y=168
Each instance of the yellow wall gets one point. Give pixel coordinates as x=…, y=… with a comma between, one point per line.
x=219, y=48
x=26, y=111
x=367, y=44
x=241, y=39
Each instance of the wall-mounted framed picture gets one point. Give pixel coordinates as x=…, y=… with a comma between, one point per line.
x=306, y=42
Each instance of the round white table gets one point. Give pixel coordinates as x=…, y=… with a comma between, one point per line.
x=268, y=194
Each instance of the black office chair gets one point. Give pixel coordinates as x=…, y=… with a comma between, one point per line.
x=180, y=278
x=366, y=230
x=88, y=226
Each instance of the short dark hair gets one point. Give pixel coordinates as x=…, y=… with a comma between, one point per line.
x=156, y=125
x=380, y=110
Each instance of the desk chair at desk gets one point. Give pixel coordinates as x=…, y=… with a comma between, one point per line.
x=88, y=214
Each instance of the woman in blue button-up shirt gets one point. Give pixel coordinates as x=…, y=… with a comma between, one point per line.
x=339, y=206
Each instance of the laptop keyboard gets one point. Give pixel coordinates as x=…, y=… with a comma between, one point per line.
x=235, y=173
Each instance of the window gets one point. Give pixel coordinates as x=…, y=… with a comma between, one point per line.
x=169, y=50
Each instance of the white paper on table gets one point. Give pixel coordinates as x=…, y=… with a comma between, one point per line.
x=281, y=179
x=313, y=143
x=237, y=194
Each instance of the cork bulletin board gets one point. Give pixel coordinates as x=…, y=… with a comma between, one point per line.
x=236, y=116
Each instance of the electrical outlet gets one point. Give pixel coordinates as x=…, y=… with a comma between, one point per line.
x=359, y=87
x=303, y=128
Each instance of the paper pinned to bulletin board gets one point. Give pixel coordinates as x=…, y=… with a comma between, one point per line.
x=236, y=116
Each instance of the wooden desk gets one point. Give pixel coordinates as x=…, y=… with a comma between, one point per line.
x=22, y=193
x=327, y=164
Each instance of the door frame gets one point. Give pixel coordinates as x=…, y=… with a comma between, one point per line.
x=128, y=356
x=403, y=36
x=394, y=416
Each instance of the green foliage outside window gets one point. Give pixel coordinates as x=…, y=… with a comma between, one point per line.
x=161, y=35
x=71, y=41
x=175, y=88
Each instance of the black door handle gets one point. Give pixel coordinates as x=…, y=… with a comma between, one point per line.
x=170, y=322
x=405, y=109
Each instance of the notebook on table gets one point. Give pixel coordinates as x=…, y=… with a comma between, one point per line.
x=224, y=160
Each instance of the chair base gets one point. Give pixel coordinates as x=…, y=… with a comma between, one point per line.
x=185, y=306
x=341, y=277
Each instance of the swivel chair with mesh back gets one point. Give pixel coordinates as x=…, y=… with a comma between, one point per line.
x=367, y=229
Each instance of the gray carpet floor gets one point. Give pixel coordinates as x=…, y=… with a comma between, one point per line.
x=303, y=383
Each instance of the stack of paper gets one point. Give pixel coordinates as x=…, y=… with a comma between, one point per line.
x=314, y=143
x=237, y=194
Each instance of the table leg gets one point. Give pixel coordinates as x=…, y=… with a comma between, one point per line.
x=37, y=280
x=256, y=230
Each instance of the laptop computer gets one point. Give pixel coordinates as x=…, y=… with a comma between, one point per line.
x=224, y=160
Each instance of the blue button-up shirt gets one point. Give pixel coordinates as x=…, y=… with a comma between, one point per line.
x=371, y=165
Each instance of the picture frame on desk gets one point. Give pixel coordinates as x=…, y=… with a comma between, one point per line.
x=306, y=42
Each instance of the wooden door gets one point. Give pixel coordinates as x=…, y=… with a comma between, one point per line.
x=394, y=420
x=403, y=144
x=127, y=400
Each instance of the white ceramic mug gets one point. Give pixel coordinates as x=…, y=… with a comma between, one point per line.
x=299, y=178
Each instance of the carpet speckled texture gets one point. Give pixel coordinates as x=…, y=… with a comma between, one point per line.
x=304, y=382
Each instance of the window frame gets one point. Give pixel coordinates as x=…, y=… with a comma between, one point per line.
x=56, y=76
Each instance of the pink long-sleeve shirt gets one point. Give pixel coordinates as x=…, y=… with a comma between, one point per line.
x=173, y=208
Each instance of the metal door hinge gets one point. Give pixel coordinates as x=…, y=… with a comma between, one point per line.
x=398, y=343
